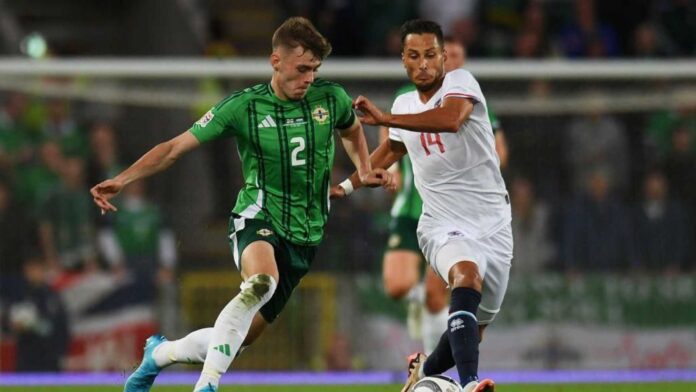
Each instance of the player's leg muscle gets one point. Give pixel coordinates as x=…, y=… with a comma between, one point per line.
x=465, y=274
x=400, y=272
x=435, y=292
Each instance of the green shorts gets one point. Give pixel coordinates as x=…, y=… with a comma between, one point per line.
x=293, y=260
x=402, y=234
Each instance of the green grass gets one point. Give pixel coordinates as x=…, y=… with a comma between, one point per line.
x=662, y=387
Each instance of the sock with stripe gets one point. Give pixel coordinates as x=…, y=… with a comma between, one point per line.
x=231, y=327
x=192, y=348
x=462, y=330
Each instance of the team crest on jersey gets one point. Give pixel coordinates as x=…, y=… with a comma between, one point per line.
x=394, y=240
x=205, y=119
x=264, y=232
x=320, y=115
x=455, y=233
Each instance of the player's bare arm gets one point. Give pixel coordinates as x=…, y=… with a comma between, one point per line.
x=154, y=161
x=384, y=156
x=354, y=142
x=446, y=118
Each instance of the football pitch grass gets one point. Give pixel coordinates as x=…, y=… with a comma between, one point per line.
x=607, y=387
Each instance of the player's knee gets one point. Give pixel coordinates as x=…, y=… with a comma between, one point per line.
x=259, y=287
x=397, y=289
x=465, y=274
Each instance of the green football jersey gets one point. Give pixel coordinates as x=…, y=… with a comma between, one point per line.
x=287, y=152
x=408, y=202
x=138, y=229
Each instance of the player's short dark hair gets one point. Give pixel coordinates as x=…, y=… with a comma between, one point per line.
x=420, y=26
x=299, y=31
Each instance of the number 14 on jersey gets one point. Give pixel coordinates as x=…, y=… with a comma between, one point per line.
x=428, y=140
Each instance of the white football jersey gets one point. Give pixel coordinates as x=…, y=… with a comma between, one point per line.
x=457, y=174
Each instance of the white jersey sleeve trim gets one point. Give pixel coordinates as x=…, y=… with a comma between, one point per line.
x=460, y=83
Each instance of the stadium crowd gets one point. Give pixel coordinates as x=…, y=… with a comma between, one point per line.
x=512, y=28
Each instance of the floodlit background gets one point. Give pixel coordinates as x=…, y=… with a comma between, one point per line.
x=597, y=101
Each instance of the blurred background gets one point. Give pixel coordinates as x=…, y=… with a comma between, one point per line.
x=596, y=99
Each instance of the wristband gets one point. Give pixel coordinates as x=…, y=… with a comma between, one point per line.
x=347, y=186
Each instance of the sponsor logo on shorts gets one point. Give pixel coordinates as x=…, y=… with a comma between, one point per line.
x=456, y=324
x=205, y=119
x=264, y=232
x=394, y=240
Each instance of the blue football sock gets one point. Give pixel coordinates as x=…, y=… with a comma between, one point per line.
x=462, y=330
x=440, y=360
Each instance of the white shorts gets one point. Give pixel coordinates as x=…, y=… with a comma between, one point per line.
x=493, y=255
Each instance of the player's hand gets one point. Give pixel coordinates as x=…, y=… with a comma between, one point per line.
x=379, y=177
x=370, y=114
x=102, y=192
x=337, y=192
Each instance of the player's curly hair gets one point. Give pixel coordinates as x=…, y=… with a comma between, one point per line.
x=420, y=26
x=299, y=31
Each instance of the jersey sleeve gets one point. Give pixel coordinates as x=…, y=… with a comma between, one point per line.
x=218, y=122
x=345, y=115
x=460, y=83
x=395, y=133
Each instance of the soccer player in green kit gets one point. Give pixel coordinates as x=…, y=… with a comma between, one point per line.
x=284, y=133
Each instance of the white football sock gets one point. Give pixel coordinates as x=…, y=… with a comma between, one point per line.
x=192, y=348
x=432, y=327
x=416, y=294
x=232, y=325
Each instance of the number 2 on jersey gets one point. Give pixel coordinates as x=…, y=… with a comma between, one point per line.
x=297, y=150
x=431, y=139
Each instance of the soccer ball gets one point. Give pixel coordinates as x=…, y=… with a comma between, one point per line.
x=437, y=383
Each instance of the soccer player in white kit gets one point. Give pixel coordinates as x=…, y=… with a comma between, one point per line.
x=464, y=230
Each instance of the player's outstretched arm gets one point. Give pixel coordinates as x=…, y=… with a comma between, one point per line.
x=453, y=112
x=154, y=161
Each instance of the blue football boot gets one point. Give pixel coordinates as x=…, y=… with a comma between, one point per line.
x=142, y=378
x=207, y=388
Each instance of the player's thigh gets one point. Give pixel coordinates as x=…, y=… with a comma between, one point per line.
x=259, y=258
x=402, y=260
x=400, y=271
x=498, y=250
x=436, y=293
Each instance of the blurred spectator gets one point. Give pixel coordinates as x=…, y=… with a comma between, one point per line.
x=680, y=165
x=678, y=19
x=649, y=43
x=66, y=225
x=138, y=242
x=17, y=238
x=61, y=127
x=448, y=12
x=15, y=139
x=586, y=36
x=662, y=124
x=511, y=26
x=141, y=251
x=533, y=251
x=37, y=319
x=103, y=160
x=598, y=141
x=36, y=181
x=596, y=234
x=663, y=239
